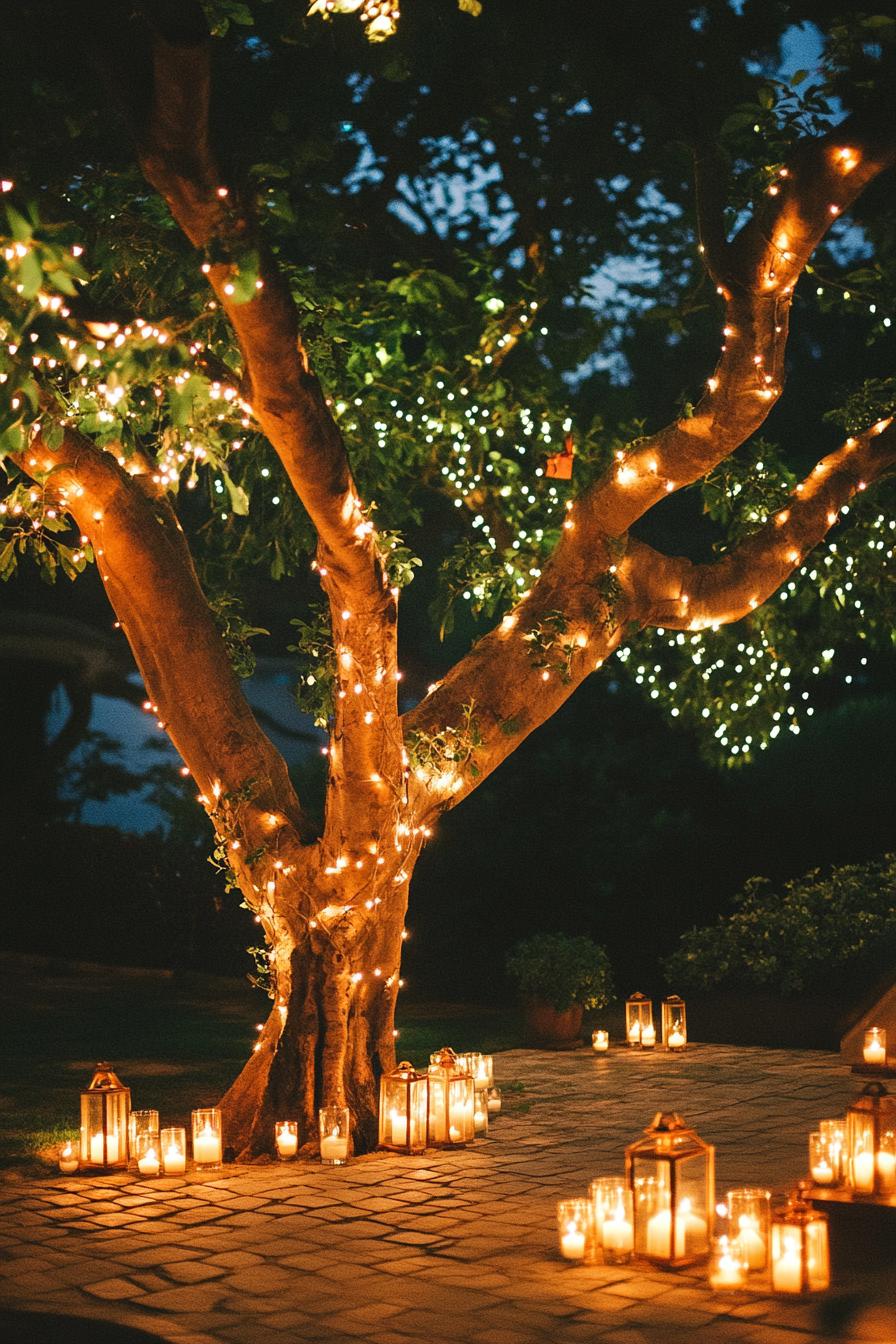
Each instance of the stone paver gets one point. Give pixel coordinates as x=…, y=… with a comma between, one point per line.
x=448, y=1247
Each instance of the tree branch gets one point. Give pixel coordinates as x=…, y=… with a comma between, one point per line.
x=148, y=574
x=672, y=592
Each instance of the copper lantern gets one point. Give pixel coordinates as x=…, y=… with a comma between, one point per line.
x=675, y=1031
x=638, y=1019
x=451, y=1101
x=105, y=1112
x=871, y=1142
x=670, y=1173
x=800, y=1259
x=404, y=1109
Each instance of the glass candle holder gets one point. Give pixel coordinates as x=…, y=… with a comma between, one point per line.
x=726, y=1268
x=173, y=1146
x=821, y=1168
x=148, y=1154
x=208, y=1143
x=575, y=1229
x=874, y=1050
x=335, y=1124
x=286, y=1139
x=494, y=1101
x=600, y=1040
x=614, y=1221
x=833, y=1134
x=749, y=1226
x=480, y=1112
x=483, y=1072
x=67, y=1158
x=142, y=1122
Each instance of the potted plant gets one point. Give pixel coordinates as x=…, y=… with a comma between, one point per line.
x=558, y=977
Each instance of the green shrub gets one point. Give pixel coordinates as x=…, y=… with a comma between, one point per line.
x=794, y=939
x=562, y=970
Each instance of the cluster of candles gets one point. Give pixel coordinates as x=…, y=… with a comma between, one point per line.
x=640, y=1031
x=661, y=1211
x=334, y=1127
x=445, y=1106
x=858, y=1152
x=140, y=1141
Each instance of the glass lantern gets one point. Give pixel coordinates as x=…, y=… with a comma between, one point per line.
x=404, y=1109
x=800, y=1258
x=874, y=1048
x=575, y=1229
x=105, y=1108
x=638, y=1019
x=451, y=1101
x=670, y=1173
x=871, y=1142
x=675, y=1032
x=749, y=1226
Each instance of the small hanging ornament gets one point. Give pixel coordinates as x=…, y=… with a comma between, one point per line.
x=559, y=465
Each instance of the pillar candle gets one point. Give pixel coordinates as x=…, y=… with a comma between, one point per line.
x=175, y=1161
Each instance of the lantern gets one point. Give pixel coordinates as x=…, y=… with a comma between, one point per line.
x=451, y=1101
x=404, y=1109
x=871, y=1142
x=638, y=1019
x=800, y=1259
x=671, y=1175
x=105, y=1108
x=675, y=1032
x=749, y=1223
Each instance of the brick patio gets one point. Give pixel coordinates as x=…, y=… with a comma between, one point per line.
x=447, y=1247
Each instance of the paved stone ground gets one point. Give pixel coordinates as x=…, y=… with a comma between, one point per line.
x=447, y=1247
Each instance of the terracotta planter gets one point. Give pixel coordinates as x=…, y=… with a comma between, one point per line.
x=552, y=1030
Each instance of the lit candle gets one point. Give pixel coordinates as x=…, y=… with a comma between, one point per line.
x=648, y=1036
x=634, y=1033
x=334, y=1147
x=572, y=1242
x=68, y=1161
x=286, y=1139
x=149, y=1164
x=886, y=1169
x=787, y=1270
x=175, y=1160
x=454, y=1133
x=600, y=1040
x=728, y=1271
x=676, y=1039
x=494, y=1101
x=480, y=1119
x=207, y=1146
x=690, y=1233
x=875, y=1051
x=617, y=1233
x=751, y=1243
x=399, y=1126
x=96, y=1149
x=823, y=1173
x=863, y=1171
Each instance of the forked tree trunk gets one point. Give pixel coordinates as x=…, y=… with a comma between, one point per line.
x=330, y=1032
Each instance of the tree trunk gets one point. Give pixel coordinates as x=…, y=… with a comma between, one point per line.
x=330, y=1032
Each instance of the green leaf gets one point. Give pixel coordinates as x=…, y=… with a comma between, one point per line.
x=239, y=500
x=31, y=277
x=19, y=227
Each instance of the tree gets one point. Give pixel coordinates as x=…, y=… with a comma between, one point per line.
x=123, y=379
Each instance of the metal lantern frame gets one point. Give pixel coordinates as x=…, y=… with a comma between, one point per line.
x=871, y=1129
x=674, y=1019
x=661, y=1156
x=800, y=1230
x=638, y=1009
x=105, y=1113
x=451, y=1099
x=404, y=1092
